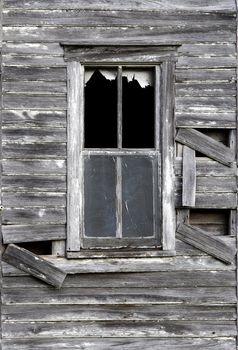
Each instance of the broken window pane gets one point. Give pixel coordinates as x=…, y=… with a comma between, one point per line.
x=137, y=196
x=100, y=108
x=138, y=130
x=100, y=196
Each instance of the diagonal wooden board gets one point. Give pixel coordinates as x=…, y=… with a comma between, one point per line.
x=34, y=264
x=205, y=242
x=206, y=145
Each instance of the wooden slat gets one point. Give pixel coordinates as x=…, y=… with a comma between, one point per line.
x=129, y=35
x=35, y=87
x=59, y=313
x=27, y=101
x=206, y=145
x=34, y=150
x=211, y=184
x=211, y=200
x=202, y=75
x=167, y=118
x=207, y=167
x=205, y=104
x=33, y=134
x=206, y=120
x=222, y=6
x=201, y=240
x=34, y=73
x=34, y=183
x=34, y=264
x=130, y=344
x=34, y=117
x=126, y=329
x=31, y=216
x=30, y=167
x=206, y=62
x=198, y=49
x=32, y=233
x=204, y=89
x=189, y=177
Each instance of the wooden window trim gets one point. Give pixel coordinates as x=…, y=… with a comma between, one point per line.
x=161, y=57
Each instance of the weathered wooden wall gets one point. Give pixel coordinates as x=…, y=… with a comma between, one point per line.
x=183, y=303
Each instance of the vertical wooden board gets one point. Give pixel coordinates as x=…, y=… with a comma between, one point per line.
x=74, y=156
x=34, y=265
x=167, y=111
x=189, y=177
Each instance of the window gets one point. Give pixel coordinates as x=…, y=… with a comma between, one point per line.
x=120, y=148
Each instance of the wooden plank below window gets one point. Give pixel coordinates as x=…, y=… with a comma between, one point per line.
x=189, y=177
x=203, y=241
x=34, y=265
x=206, y=145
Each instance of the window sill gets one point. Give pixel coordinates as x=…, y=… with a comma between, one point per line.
x=119, y=254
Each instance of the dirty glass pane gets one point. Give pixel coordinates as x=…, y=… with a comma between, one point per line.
x=138, y=129
x=137, y=197
x=100, y=196
x=100, y=117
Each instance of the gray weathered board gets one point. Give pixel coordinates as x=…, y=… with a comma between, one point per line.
x=34, y=265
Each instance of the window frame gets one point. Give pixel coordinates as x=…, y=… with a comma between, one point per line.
x=161, y=57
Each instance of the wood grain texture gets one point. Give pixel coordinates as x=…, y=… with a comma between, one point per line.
x=201, y=240
x=207, y=167
x=37, y=167
x=205, y=120
x=211, y=200
x=35, y=265
x=34, y=117
x=33, y=216
x=32, y=233
x=34, y=150
x=206, y=145
x=34, y=183
x=189, y=177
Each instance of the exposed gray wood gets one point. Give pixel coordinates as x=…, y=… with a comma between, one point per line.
x=99, y=18
x=70, y=313
x=119, y=329
x=205, y=104
x=161, y=279
x=110, y=265
x=211, y=200
x=130, y=35
x=36, y=87
x=33, y=216
x=28, y=233
x=33, y=117
x=34, y=73
x=30, y=167
x=205, y=89
x=205, y=120
x=115, y=343
x=206, y=145
x=206, y=62
x=33, y=183
x=201, y=240
x=186, y=249
x=74, y=155
x=35, y=60
x=206, y=167
x=19, y=199
x=125, y=54
x=33, y=48
x=214, y=50
x=167, y=117
x=34, y=150
x=185, y=5
x=124, y=296
x=59, y=248
x=33, y=134
x=211, y=184
x=35, y=265
x=202, y=75
x=20, y=101
x=189, y=177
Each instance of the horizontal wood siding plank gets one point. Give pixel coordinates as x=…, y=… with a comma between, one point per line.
x=51, y=183
x=124, y=296
x=30, y=167
x=161, y=279
x=33, y=216
x=206, y=62
x=212, y=184
x=203, y=241
x=32, y=233
x=20, y=101
x=32, y=134
x=31, y=199
x=185, y=5
x=33, y=60
x=34, y=48
x=37, y=87
x=206, y=167
x=205, y=120
x=206, y=145
x=59, y=313
x=207, y=50
x=34, y=118
x=34, y=265
x=34, y=150
x=219, y=104
x=203, y=75
x=34, y=73
x=148, y=35
x=203, y=89
x=211, y=200
x=120, y=329
x=130, y=344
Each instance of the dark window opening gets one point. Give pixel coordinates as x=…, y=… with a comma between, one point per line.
x=40, y=248
x=213, y=221
x=106, y=107
x=101, y=110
